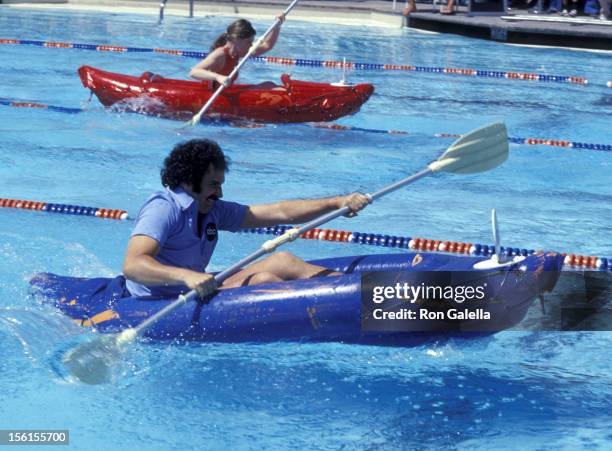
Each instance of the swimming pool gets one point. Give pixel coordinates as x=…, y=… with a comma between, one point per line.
x=544, y=389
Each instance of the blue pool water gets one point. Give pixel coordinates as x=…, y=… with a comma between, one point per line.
x=539, y=390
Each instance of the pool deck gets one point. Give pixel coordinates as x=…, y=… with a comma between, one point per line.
x=518, y=28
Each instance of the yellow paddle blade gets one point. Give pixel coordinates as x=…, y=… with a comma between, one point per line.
x=477, y=151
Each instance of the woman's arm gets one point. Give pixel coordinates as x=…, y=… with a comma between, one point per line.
x=270, y=41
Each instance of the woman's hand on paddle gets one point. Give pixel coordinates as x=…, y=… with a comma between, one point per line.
x=269, y=42
x=203, y=283
x=355, y=202
x=223, y=80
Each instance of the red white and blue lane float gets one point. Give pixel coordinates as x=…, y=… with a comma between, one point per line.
x=330, y=64
x=576, y=261
x=564, y=143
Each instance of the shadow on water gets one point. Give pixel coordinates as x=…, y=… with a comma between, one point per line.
x=604, y=101
x=581, y=301
x=479, y=102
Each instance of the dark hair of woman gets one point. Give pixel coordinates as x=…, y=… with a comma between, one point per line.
x=189, y=161
x=239, y=29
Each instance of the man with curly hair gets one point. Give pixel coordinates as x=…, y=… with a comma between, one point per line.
x=176, y=230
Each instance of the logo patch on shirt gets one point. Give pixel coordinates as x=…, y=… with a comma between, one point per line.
x=211, y=231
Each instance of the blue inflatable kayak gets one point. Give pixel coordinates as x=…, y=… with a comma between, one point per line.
x=324, y=308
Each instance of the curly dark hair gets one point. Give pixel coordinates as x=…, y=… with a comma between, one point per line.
x=189, y=161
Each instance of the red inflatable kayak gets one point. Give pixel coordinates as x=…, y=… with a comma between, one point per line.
x=294, y=101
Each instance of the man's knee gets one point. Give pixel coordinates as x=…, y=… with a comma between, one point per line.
x=263, y=277
x=285, y=258
x=285, y=265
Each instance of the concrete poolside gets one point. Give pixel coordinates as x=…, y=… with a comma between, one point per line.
x=547, y=30
x=519, y=28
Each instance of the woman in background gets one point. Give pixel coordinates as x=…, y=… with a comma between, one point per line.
x=227, y=51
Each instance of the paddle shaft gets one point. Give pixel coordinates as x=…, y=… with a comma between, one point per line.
x=254, y=47
x=180, y=301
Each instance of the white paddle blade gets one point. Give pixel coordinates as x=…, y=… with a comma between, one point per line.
x=92, y=362
x=194, y=120
x=478, y=151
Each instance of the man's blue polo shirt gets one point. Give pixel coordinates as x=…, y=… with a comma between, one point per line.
x=171, y=218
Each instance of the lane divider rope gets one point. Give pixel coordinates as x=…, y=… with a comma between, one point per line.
x=313, y=63
x=36, y=105
x=104, y=213
x=424, y=244
x=516, y=140
x=370, y=239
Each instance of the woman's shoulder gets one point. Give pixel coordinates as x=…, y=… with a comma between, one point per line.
x=219, y=52
x=216, y=57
